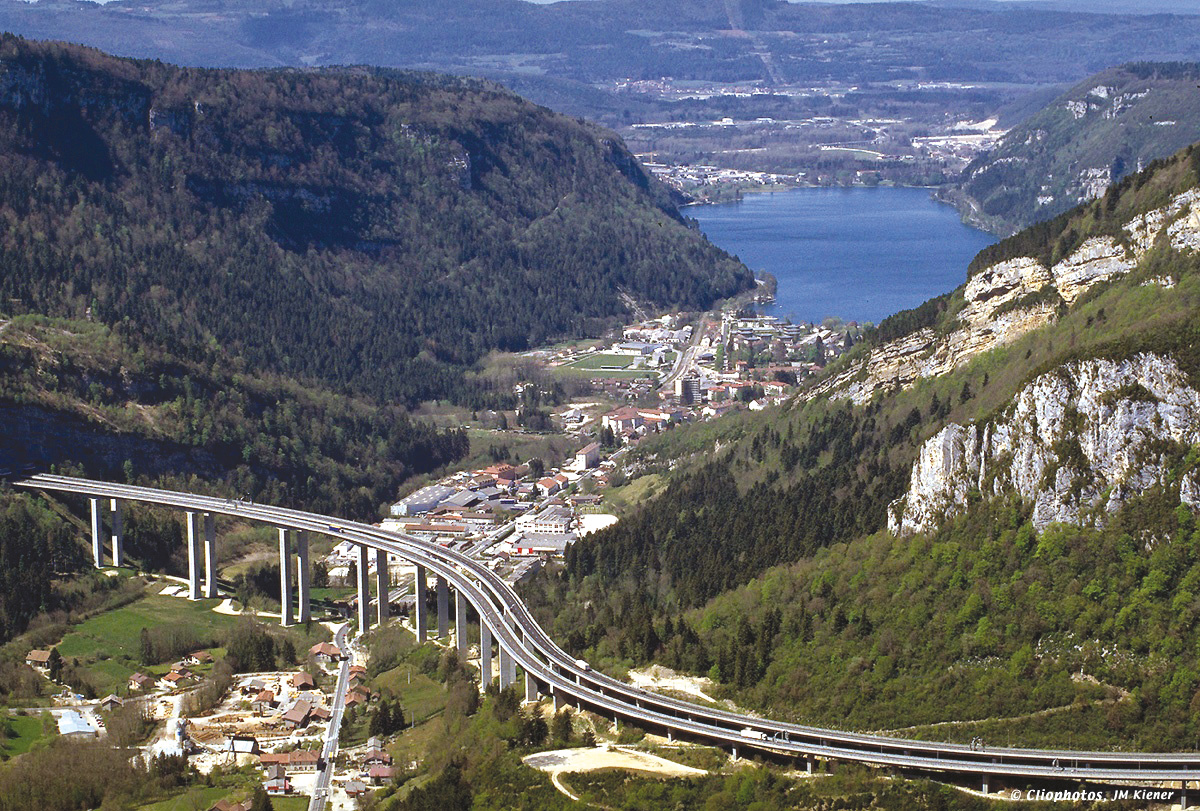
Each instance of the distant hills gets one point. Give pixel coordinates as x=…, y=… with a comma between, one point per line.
x=1098, y=132
x=564, y=53
x=373, y=231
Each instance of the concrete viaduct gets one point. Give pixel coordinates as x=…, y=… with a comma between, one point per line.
x=519, y=641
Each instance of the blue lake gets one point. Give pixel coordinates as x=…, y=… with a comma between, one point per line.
x=859, y=253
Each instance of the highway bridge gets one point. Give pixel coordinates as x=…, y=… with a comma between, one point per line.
x=520, y=642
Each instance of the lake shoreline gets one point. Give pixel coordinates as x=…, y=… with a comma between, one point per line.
x=858, y=253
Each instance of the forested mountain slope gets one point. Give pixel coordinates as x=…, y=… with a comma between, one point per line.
x=1098, y=132
x=370, y=230
x=1040, y=566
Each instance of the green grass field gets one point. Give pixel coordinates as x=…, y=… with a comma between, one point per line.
x=421, y=698
x=289, y=803
x=236, y=787
x=109, y=645
x=602, y=360
x=27, y=730
x=196, y=798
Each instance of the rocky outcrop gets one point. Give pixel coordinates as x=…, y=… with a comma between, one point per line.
x=1076, y=443
x=1007, y=300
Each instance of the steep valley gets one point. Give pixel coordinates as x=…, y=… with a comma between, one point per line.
x=988, y=506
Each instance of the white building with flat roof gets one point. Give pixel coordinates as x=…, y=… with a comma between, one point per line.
x=422, y=501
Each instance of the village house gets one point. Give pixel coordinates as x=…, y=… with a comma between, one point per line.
x=303, y=681
x=548, y=486
x=200, y=657
x=297, y=716
x=301, y=760
x=140, y=681
x=264, y=702
x=172, y=680
x=501, y=471
x=356, y=788
x=622, y=419
x=380, y=774
x=277, y=781
x=111, y=702
x=228, y=805
x=38, y=659
x=325, y=652
x=376, y=757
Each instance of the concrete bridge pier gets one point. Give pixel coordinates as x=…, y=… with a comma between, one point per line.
x=531, y=687
x=485, y=653
x=285, y=576
x=210, y=556
x=1183, y=798
x=193, y=546
x=420, y=618
x=118, y=532
x=554, y=697
x=382, y=585
x=303, y=577
x=508, y=669
x=97, y=532
x=364, y=590
x=460, y=623
x=985, y=784
x=443, y=607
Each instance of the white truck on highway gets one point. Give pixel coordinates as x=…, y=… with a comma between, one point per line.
x=754, y=734
x=582, y=665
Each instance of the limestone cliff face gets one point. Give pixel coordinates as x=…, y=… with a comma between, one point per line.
x=1076, y=443
x=1012, y=298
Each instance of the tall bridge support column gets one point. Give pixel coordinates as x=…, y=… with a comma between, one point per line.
x=97, y=532
x=443, y=606
x=460, y=623
x=303, y=577
x=485, y=653
x=508, y=669
x=364, y=590
x=193, y=546
x=420, y=618
x=285, y=576
x=531, y=687
x=383, y=585
x=985, y=784
x=118, y=532
x=1183, y=800
x=210, y=556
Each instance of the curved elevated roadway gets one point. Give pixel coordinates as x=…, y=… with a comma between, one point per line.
x=551, y=669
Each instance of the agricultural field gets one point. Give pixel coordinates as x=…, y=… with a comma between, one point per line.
x=108, y=645
x=22, y=732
